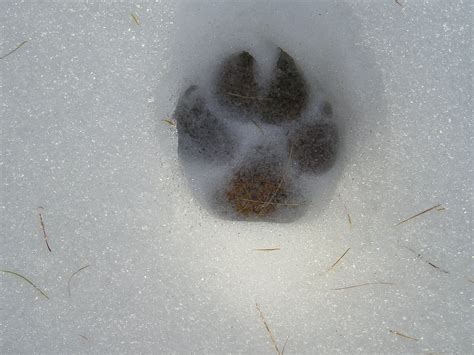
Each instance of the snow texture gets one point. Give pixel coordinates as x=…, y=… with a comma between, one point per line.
x=83, y=142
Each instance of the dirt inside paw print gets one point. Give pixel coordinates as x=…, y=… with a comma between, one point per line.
x=257, y=174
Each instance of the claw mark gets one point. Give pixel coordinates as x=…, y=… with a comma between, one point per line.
x=402, y=335
x=418, y=214
x=14, y=50
x=45, y=236
x=24, y=278
x=332, y=266
x=361, y=285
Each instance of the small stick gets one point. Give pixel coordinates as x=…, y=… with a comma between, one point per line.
x=402, y=335
x=267, y=249
x=45, y=236
x=332, y=266
x=418, y=214
x=69, y=281
x=268, y=329
x=361, y=285
x=135, y=18
x=31, y=283
x=171, y=123
x=14, y=50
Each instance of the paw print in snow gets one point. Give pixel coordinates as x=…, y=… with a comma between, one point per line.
x=247, y=147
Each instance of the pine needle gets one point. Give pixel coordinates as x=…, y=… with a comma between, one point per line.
x=332, y=266
x=14, y=50
x=271, y=203
x=267, y=327
x=31, y=283
x=249, y=97
x=171, y=123
x=419, y=256
x=284, y=345
x=45, y=236
x=135, y=18
x=258, y=126
x=69, y=281
x=418, y=214
x=402, y=335
x=361, y=285
x=349, y=219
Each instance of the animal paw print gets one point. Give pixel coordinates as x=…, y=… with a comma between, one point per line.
x=249, y=148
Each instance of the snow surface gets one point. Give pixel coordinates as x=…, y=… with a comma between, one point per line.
x=82, y=104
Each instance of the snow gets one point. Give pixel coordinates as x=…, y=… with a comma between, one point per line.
x=83, y=137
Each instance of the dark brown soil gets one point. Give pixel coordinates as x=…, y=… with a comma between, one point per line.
x=257, y=191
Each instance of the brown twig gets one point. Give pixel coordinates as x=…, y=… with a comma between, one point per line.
x=45, y=236
x=361, y=285
x=418, y=214
x=69, y=281
x=267, y=327
x=402, y=335
x=14, y=50
x=332, y=266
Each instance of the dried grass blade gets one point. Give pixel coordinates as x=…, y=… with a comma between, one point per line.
x=24, y=278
